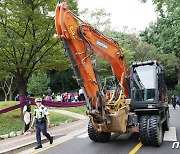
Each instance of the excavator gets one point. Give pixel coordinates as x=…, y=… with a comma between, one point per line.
x=135, y=101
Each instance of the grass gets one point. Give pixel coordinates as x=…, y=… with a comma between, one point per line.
x=10, y=121
x=8, y=104
x=80, y=109
x=57, y=117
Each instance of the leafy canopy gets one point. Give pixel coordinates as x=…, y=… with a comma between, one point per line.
x=27, y=36
x=38, y=84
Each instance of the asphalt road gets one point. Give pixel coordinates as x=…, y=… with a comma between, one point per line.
x=80, y=143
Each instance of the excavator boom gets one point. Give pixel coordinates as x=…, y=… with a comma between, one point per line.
x=81, y=41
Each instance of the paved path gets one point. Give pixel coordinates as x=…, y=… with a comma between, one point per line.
x=72, y=114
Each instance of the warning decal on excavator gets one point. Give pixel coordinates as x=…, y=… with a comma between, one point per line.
x=71, y=28
x=101, y=44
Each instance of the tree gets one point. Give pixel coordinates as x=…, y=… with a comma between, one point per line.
x=98, y=18
x=38, y=84
x=62, y=81
x=165, y=33
x=27, y=39
x=6, y=86
x=135, y=49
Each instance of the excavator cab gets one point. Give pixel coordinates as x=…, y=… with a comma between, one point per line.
x=147, y=85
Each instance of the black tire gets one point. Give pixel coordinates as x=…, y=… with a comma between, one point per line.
x=155, y=131
x=166, y=123
x=92, y=132
x=103, y=136
x=98, y=136
x=144, y=130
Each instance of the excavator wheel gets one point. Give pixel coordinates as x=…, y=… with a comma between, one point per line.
x=92, y=132
x=103, y=136
x=144, y=130
x=166, y=123
x=155, y=131
x=98, y=136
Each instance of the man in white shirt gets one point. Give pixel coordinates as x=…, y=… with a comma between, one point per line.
x=41, y=115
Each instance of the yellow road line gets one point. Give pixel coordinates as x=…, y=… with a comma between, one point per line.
x=136, y=148
x=64, y=140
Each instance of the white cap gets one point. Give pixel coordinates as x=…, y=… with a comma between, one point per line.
x=38, y=100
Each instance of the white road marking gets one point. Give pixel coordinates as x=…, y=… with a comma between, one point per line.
x=120, y=137
x=83, y=135
x=170, y=135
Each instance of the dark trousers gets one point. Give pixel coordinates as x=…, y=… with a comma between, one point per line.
x=26, y=127
x=41, y=127
x=82, y=98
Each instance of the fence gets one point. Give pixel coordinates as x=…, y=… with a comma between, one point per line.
x=45, y=103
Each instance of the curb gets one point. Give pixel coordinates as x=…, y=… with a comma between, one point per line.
x=27, y=146
x=19, y=144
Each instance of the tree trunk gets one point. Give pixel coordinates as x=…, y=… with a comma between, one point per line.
x=5, y=98
x=10, y=95
x=22, y=87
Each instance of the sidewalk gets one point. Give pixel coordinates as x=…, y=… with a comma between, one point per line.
x=22, y=142
x=72, y=114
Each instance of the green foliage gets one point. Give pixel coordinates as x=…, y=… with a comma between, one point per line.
x=165, y=35
x=104, y=69
x=135, y=49
x=159, y=4
x=73, y=5
x=177, y=90
x=38, y=84
x=126, y=41
x=27, y=39
x=62, y=81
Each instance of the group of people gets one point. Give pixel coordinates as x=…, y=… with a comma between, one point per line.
x=65, y=97
x=175, y=100
x=40, y=120
x=70, y=97
x=49, y=97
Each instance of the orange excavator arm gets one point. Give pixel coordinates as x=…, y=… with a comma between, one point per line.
x=81, y=41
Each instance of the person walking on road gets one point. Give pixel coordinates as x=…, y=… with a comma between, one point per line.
x=41, y=116
x=173, y=100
